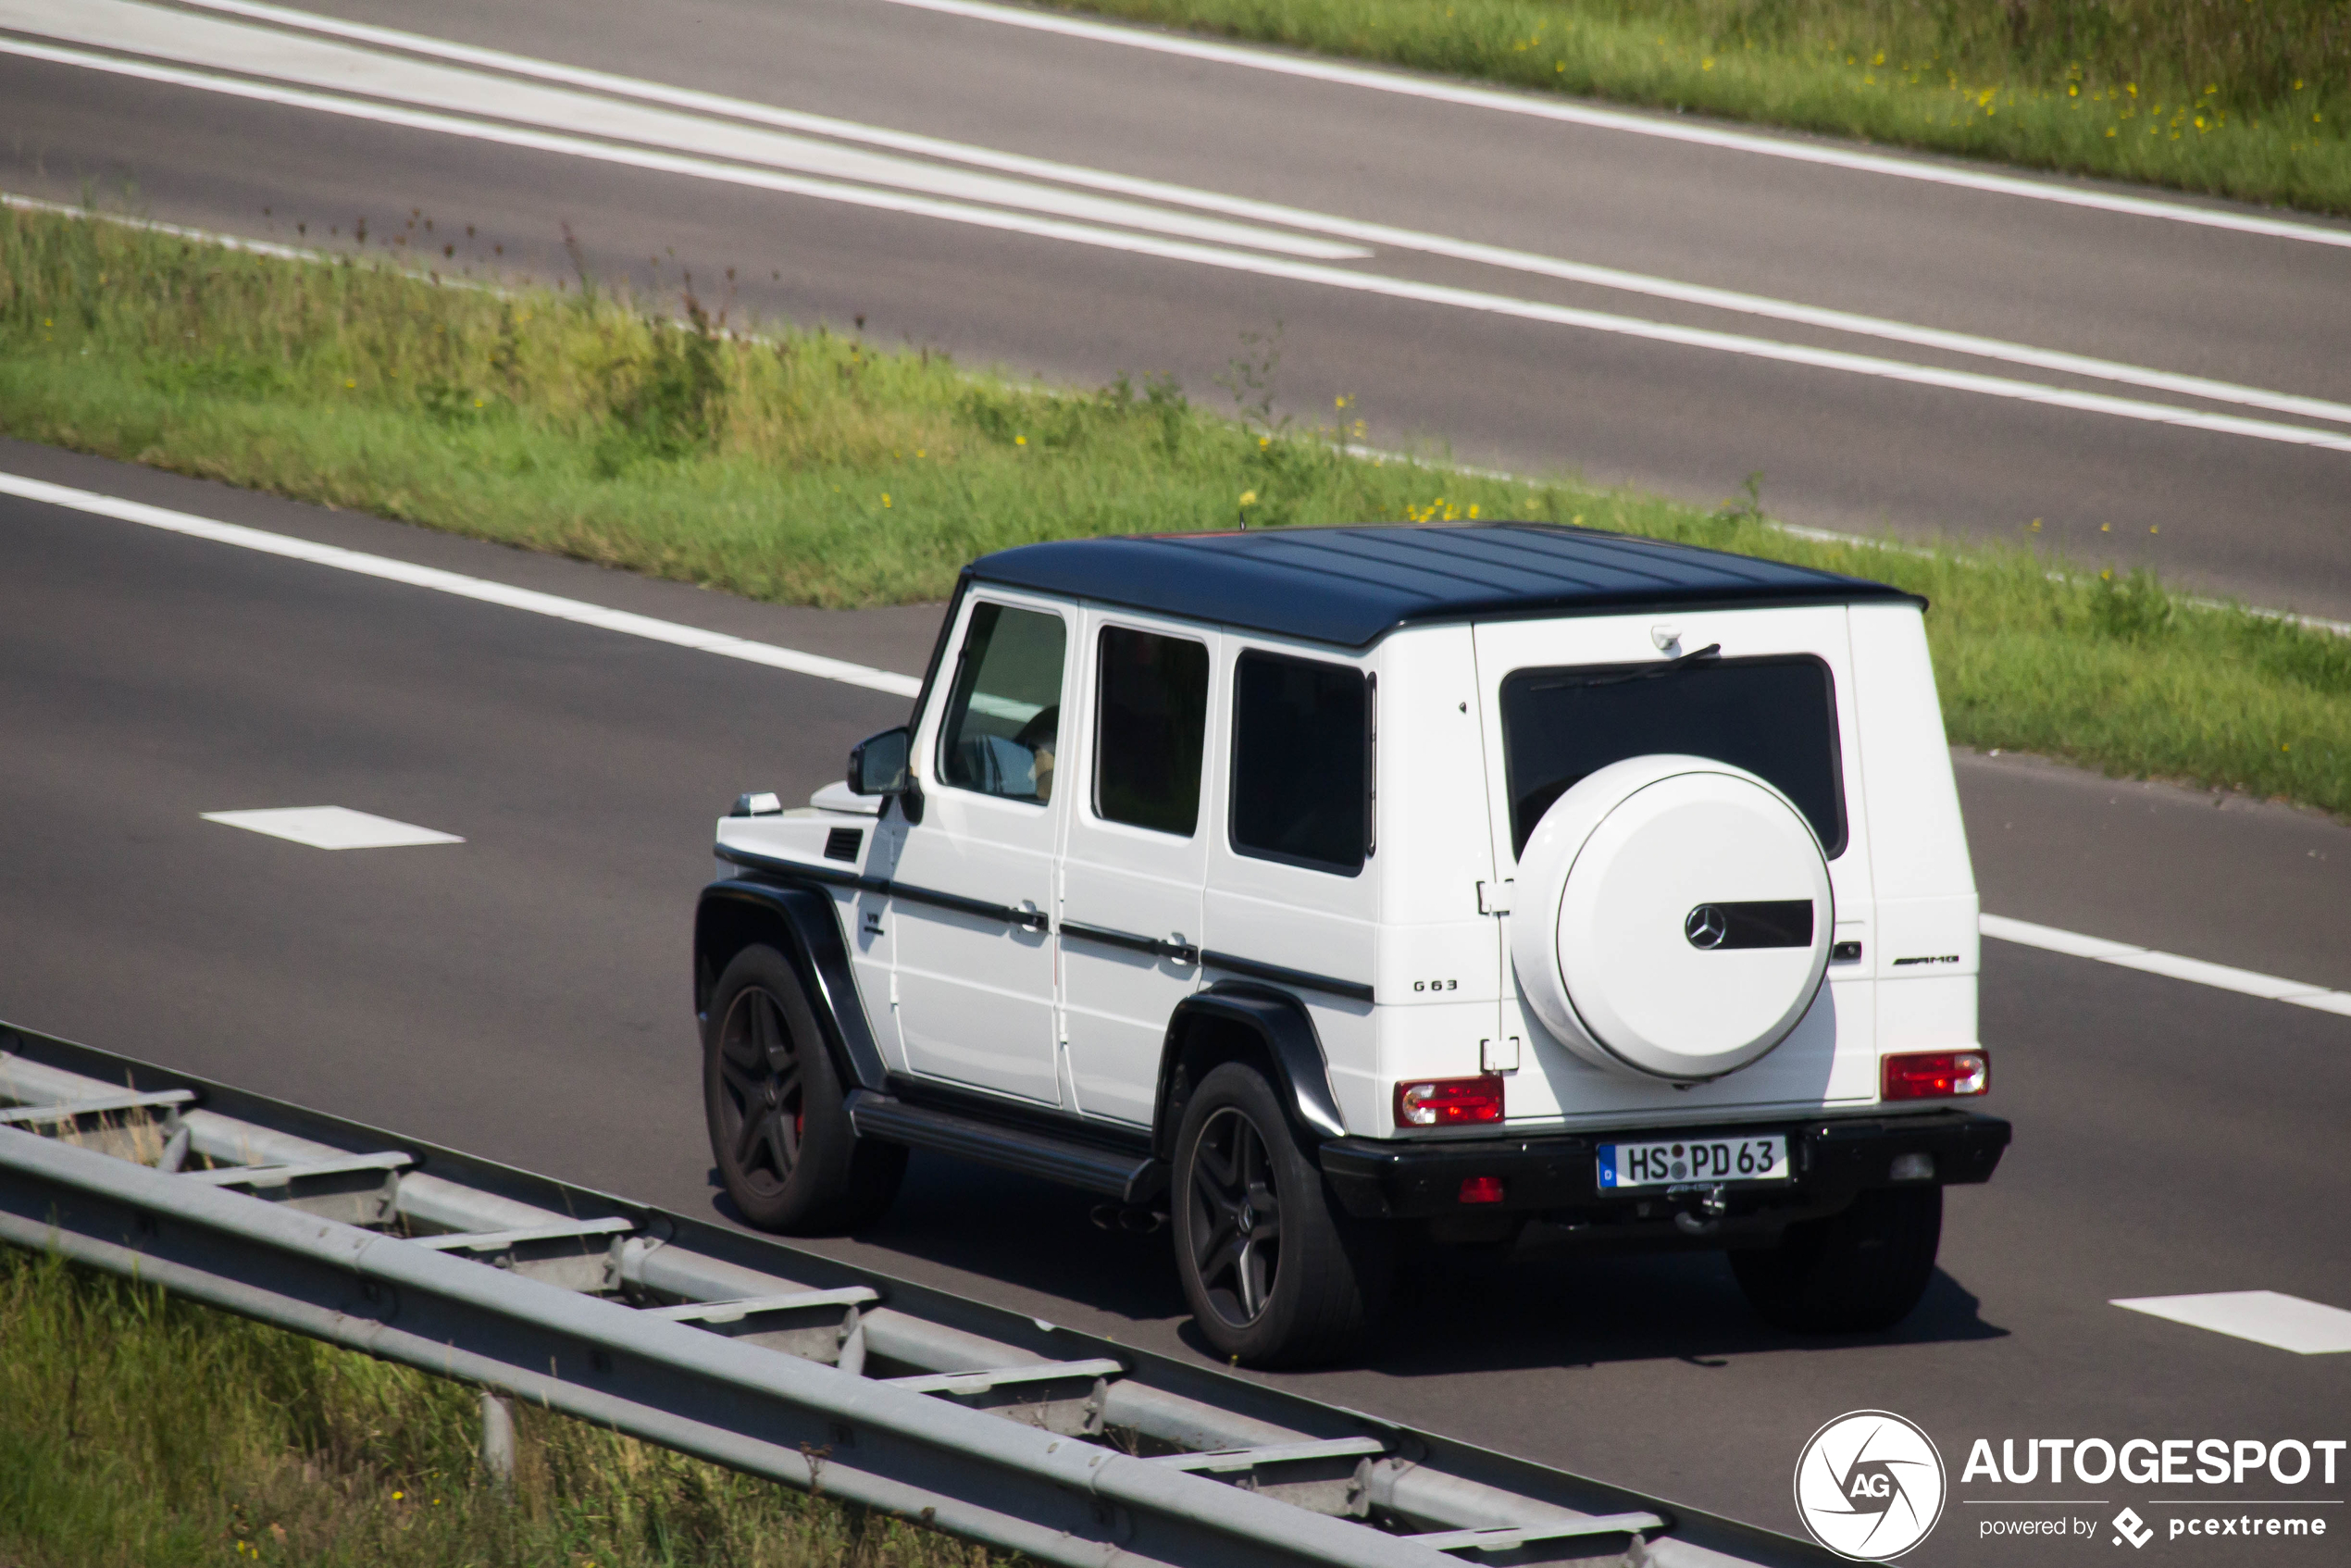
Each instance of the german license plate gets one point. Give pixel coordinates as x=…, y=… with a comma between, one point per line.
x=1689, y=1160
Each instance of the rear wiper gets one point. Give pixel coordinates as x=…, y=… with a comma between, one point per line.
x=1649, y=672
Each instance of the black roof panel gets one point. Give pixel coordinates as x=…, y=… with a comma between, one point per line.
x=1349, y=586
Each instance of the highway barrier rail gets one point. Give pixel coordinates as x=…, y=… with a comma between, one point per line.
x=748, y=1352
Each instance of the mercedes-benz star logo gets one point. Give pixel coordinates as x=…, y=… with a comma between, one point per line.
x=1705, y=925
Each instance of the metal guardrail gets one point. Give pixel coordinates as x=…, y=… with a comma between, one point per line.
x=752, y=1353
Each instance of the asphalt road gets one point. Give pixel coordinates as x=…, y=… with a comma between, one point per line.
x=523, y=996
x=2238, y=513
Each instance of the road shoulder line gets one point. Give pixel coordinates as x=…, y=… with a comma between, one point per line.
x=2172, y=965
x=436, y=579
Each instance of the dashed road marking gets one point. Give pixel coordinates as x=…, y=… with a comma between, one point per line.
x=331, y=828
x=2266, y=1317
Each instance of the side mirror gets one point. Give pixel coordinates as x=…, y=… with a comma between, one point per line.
x=878, y=767
x=877, y=763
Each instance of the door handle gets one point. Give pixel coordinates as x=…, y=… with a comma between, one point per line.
x=1174, y=947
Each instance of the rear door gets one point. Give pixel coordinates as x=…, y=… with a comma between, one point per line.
x=1778, y=700
x=1136, y=855
x=1292, y=903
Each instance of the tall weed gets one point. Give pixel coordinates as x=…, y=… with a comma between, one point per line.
x=137, y=1429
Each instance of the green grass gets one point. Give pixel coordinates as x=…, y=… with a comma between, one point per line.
x=808, y=468
x=142, y=1431
x=2244, y=98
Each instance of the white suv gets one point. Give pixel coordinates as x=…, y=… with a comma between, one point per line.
x=1326, y=889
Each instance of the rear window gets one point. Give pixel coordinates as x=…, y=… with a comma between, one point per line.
x=1775, y=718
x=1301, y=774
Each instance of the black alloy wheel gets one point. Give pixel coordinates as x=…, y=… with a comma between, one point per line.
x=762, y=1109
x=1236, y=1233
x=787, y=1152
x=1275, y=1272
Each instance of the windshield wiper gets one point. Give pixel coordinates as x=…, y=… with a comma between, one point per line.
x=1647, y=672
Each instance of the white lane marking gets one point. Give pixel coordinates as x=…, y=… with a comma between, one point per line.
x=331, y=828
x=2245, y=982
x=2266, y=1317
x=1210, y=255
x=634, y=157
x=433, y=577
x=177, y=231
x=1637, y=124
x=1390, y=237
x=210, y=44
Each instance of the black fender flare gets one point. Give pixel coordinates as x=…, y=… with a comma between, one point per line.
x=1280, y=1022
x=805, y=924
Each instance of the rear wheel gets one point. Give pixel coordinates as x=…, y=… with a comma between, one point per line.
x=1277, y=1274
x=779, y=1126
x=1860, y=1269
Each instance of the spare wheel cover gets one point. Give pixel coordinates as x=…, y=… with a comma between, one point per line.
x=1676, y=918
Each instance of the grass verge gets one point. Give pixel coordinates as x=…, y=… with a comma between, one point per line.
x=138, y=1430
x=2243, y=98
x=809, y=467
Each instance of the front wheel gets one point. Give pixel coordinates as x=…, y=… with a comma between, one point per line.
x=1858, y=1270
x=779, y=1128
x=1275, y=1274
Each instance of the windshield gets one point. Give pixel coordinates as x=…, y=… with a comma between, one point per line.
x=1775, y=718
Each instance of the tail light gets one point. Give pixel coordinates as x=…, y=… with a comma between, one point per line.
x=1449, y=1102
x=1481, y=1189
x=1936, y=1075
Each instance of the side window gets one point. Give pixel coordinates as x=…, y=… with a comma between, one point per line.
x=1005, y=709
x=1301, y=740
x=1149, y=731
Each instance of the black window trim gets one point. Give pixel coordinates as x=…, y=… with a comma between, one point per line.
x=1233, y=760
x=1057, y=608
x=1836, y=729
x=1203, y=640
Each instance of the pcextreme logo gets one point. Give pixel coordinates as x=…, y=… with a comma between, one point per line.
x=1870, y=1485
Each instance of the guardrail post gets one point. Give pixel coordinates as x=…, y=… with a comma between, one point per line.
x=497, y=1440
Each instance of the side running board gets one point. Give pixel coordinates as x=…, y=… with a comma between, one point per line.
x=1113, y=1173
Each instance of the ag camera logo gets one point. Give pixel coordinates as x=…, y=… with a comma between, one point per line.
x=1870, y=1485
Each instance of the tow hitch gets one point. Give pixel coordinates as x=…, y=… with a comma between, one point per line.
x=1698, y=1209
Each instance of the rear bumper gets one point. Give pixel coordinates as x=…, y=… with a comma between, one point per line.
x=1831, y=1158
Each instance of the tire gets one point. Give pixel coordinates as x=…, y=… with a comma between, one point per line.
x=779, y=1129
x=1276, y=1273
x=1856, y=1271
